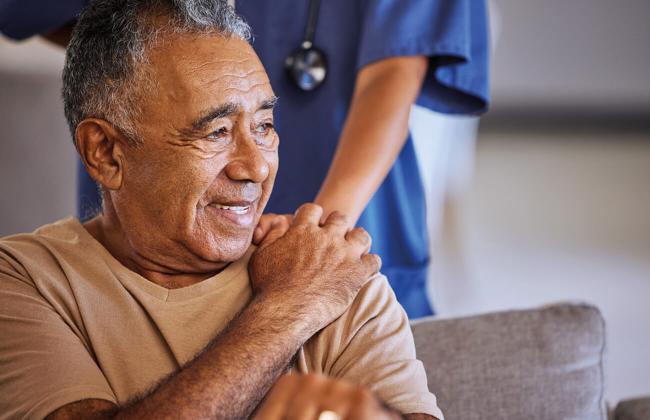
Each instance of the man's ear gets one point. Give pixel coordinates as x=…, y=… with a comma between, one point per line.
x=101, y=147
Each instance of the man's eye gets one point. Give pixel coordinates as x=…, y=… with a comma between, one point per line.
x=218, y=134
x=264, y=128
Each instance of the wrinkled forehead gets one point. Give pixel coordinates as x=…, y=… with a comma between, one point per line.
x=199, y=70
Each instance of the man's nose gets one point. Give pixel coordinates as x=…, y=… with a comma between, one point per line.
x=247, y=163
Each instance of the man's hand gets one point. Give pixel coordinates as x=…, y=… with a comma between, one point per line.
x=311, y=269
x=278, y=223
x=307, y=396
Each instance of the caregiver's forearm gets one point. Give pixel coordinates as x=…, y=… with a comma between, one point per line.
x=375, y=131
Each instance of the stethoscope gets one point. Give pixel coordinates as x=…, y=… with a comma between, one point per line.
x=306, y=66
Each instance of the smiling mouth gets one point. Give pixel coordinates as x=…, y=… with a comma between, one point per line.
x=237, y=209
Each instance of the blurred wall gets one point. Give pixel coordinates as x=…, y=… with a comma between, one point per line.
x=37, y=158
x=565, y=54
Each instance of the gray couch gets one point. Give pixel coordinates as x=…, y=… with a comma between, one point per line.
x=545, y=363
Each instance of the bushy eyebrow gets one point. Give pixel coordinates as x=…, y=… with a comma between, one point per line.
x=226, y=110
x=268, y=103
x=221, y=111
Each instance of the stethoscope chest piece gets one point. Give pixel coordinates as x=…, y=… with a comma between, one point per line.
x=306, y=66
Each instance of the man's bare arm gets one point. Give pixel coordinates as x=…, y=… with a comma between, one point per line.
x=85, y=409
x=301, y=282
x=227, y=380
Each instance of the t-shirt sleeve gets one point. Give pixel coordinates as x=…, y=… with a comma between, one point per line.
x=453, y=34
x=20, y=19
x=371, y=345
x=43, y=364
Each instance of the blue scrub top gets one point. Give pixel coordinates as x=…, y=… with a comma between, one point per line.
x=354, y=33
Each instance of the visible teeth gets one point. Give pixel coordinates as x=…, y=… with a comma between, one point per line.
x=236, y=209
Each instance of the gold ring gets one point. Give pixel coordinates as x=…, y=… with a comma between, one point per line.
x=328, y=415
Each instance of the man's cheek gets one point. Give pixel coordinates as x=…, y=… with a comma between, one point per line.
x=267, y=188
x=273, y=162
x=206, y=150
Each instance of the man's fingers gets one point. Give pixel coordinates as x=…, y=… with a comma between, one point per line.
x=366, y=406
x=361, y=237
x=272, y=229
x=276, y=401
x=372, y=263
x=271, y=237
x=337, y=222
x=336, y=398
x=263, y=227
x=305, y=403
x=278, y=229
x=308, y=213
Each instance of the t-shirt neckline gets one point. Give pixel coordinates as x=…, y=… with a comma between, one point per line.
x=132, y=279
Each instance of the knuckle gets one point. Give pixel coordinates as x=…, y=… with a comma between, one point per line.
x=362, y=234
x=302, y=230
x=267, y=218
x=311, y=207
x=280, y=222
x=374, y=261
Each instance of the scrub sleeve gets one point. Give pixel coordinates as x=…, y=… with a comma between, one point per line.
x=454, y=37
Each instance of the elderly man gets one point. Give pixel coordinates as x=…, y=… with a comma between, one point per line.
x=160, y=307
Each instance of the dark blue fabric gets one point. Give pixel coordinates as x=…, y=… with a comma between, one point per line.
x=88, y=195
x=20, y=19
x=452, y=33
x=353, y=33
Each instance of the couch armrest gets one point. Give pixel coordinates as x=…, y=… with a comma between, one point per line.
x=635, y=409
x=538, y=364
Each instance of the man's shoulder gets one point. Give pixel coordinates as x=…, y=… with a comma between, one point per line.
x=30, y=255
x=67, y=229
x=375, y=304
x=372, y=344
x=373, y=298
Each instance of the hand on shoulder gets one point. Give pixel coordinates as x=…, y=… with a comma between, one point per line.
x=311, y=268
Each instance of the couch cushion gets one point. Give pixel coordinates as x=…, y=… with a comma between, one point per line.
x=544, y=363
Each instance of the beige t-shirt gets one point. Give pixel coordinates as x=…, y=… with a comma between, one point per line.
x=76, y=324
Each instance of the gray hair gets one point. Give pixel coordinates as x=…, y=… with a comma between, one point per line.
x=110, y=42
